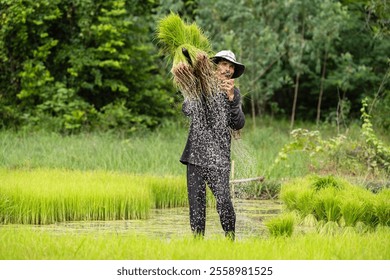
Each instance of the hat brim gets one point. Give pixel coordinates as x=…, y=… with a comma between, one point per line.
x=238, y=67
x=238, y=70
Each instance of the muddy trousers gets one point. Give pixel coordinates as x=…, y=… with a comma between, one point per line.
x=218, y=182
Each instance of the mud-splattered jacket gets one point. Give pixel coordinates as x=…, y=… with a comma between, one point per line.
x=211, y=122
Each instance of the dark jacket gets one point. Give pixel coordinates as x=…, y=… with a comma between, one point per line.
x=209, y=137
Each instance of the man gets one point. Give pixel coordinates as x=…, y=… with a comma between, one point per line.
x=207, y=151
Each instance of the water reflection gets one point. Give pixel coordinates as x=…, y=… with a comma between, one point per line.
x=171, y=222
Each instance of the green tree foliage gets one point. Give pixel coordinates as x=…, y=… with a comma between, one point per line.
x=73, y=64
x=317, y=58
x=80, y=63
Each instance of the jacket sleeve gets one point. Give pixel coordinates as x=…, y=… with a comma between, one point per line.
x=237, y=117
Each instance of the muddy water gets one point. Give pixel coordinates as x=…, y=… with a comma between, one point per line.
x=168, y=223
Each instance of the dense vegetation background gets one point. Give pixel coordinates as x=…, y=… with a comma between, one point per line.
x=74, y=65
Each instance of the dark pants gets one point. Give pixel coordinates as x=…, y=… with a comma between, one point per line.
x=218, y=182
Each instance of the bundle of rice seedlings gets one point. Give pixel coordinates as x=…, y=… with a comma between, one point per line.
x=290, y=191
x=309, y=220
x=370, y=218
x=361, y=227
x=352, y=210
x=282, y=225
x=382, y=207
x=326, y=182
x=289, y=197
x=328, y=228
x=327, y=205
x=305, y=202
x=188, y=49
x=6, y=209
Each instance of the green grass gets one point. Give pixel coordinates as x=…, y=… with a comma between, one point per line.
x=20, y=243
x=155, y=153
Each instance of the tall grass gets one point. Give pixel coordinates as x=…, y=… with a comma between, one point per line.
x=156, y=152
x=44, y=196
x=37, y=244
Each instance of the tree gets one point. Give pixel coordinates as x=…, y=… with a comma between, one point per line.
x=81, y=63
x=326, y=27
x=252, y=31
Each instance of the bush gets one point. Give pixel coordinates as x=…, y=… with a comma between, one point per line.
x=64, y=62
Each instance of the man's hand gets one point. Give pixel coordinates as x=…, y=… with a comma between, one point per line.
x=228, y=87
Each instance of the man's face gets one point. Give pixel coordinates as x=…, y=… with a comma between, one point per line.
x=225, y=70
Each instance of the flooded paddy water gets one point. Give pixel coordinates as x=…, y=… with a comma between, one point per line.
x=174, y=222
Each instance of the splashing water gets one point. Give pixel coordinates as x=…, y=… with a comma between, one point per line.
x=245, y=164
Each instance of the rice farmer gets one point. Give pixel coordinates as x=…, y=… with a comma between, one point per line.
x=207, y=151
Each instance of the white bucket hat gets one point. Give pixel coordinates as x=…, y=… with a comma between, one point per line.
x=229, y=56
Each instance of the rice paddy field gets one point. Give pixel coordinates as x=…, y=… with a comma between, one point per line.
x=105, y=196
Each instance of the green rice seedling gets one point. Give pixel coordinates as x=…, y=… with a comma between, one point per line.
x=282, y=225
x=382, y=207
x=5, y=208
x=173, y=33
x=362, y=228
x=328, y=228
x=171, y=192
x=309, y=220
x=369, y=217
x=357, y=205
x=327, y=205
x=352, y=210
x=188, y=49
x=305, y=203
x=289, y=198
x=320, y=182
x=297, y=195
x=348, y=230
x=49, y=196
x=290, y=192
x=197, y=38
